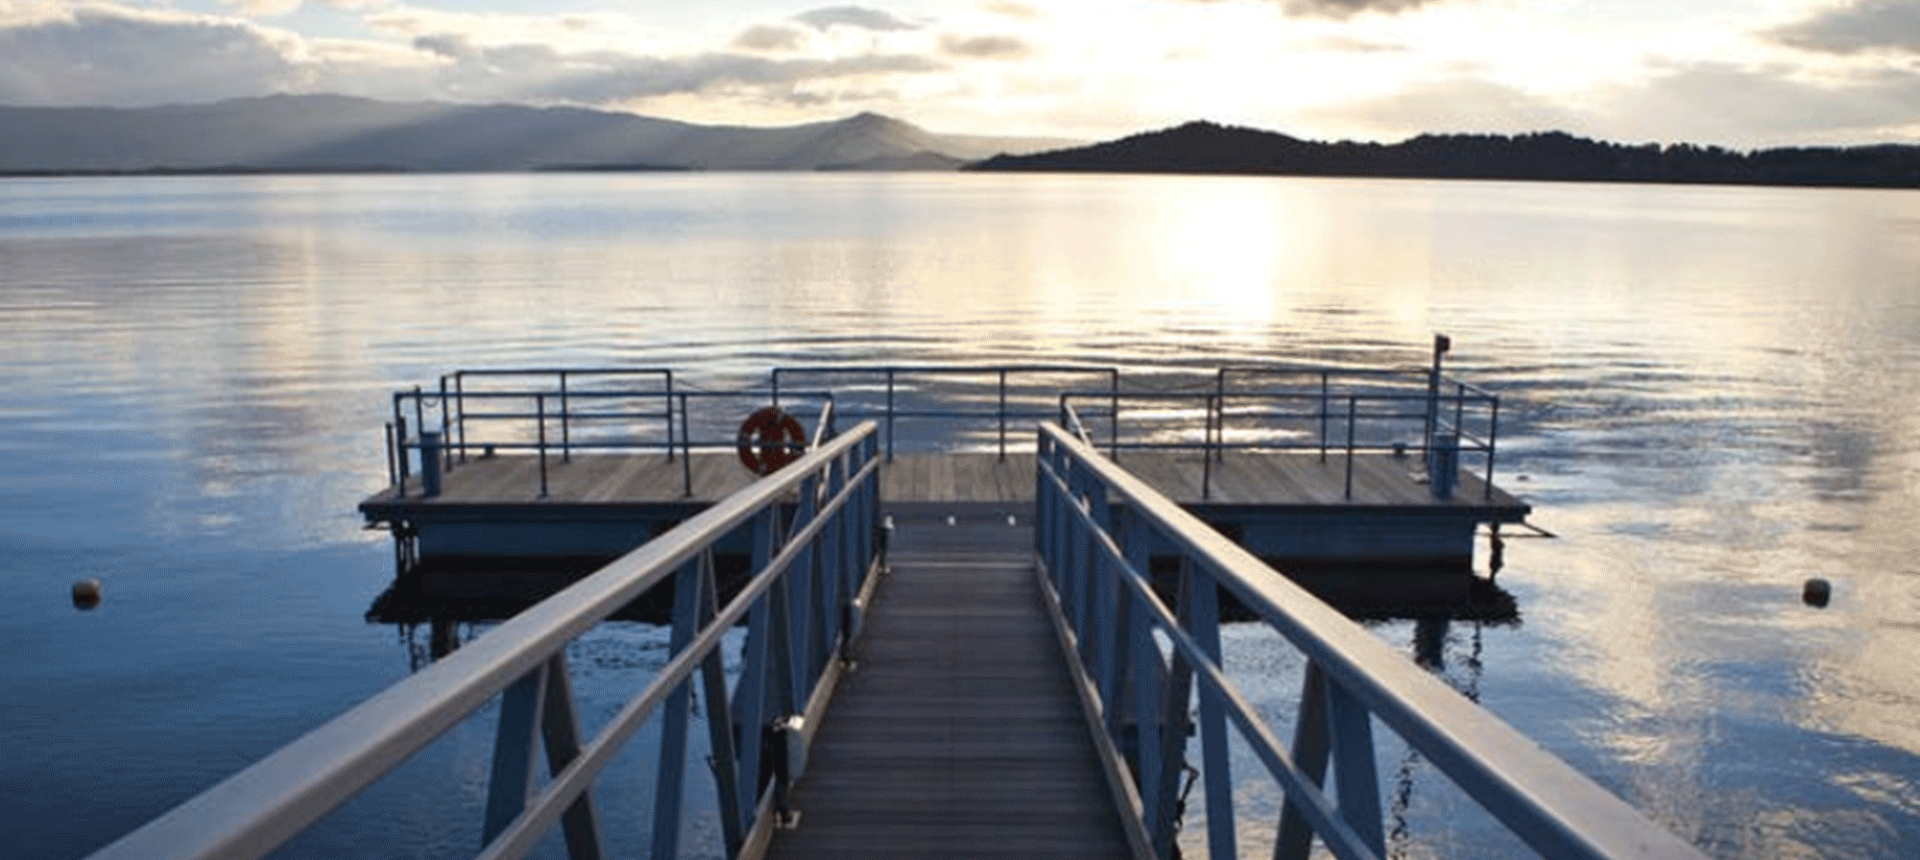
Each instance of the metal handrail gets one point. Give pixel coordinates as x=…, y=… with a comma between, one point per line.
x=1097, y=526
x=807, y=579
x=892, y=377
x=1329, y=416
x=548, y=409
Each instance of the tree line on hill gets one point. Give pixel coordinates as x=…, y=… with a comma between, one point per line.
x=1205, y=147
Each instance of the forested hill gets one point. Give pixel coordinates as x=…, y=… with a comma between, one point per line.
x=1205, y=147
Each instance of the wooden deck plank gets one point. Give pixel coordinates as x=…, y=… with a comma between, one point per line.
x=1240, y=478
x=959, y=734
x=624, y=471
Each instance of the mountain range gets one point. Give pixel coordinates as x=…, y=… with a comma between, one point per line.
x=1205, y=147
x=331, y=133
x=340, y=133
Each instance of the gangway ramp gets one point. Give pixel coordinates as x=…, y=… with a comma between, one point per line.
x=957, y=734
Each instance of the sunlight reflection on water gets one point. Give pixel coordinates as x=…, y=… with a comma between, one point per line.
x=1705, y=389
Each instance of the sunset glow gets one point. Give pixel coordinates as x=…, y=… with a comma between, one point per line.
x=1738, y=73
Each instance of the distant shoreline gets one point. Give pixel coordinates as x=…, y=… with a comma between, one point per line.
x=1568, y=180
x=161, y=173
x=1204, y=148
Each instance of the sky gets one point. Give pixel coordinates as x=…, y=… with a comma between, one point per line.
x=1736, y=73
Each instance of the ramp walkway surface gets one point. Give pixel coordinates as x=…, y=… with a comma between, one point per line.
x=958, y=734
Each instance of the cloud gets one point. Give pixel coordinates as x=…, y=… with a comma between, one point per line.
x=453, y=46
x=985, y=47
x=1699, y=102
x=1860, y=26
x=853, y=16
x=263, y=7
x=1010, y=9
x=118, y=57
x=107, y=56
x=1341, y=10
x=1760, y=105
x=771, y=37
x=542, y=73
x=1460, y=104
x=1350, y=45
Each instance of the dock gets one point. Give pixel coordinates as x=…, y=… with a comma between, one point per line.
x=946, y=653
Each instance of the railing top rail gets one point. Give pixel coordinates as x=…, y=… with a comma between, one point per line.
x=944, y=369
x=608, y=394
x=1420, y=396
x=1542, y=799
x=570, y=371
x=1317, y=369
x=251, y=812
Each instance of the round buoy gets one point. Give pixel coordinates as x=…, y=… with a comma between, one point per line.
x=86, y=593
x=770, y=439
x=1816, y=592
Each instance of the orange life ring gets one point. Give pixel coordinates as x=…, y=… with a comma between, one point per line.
x=769, y=439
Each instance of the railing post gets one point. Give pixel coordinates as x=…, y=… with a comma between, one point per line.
x=670, y=785
x=720, y=741
x=400, y=444
x=683, y=416
x=393, y=470
x=1206, y=460
x=1493, y=435
x=836, y=569
x=1443, y=465
x=1149, y=676
x=755, y=693
x=1204, y=621
x=1356, y=777
x=889, y=414
x=446, y=432
x=1104, y=645
x=1459, y=407
x=1175, y=722
x=1003, y=413
x=419, y=410
x=429, y=464
x=540, y=413
x=686, y=440
x=566, y=428
x=1326, y=406
x=460, y=401
x=1310, y=748
x=1220, y=402
x=513, y=759
x=799, y=579
x=560, y=726
x=1353, y=406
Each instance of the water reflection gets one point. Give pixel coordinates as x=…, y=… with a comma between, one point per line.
x=1708, y=389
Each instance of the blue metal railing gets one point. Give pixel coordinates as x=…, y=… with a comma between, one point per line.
x=554, y=412
x=812, y=572
x=1323, y=410
x=1096, y=527
x=1021, y=393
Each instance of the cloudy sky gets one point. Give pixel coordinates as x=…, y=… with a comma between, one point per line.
x=1733, y=72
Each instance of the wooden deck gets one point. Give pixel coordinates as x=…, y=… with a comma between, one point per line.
x=1278, y=480
x=958, y=734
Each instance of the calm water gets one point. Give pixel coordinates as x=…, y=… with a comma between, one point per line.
x=1710, y=394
